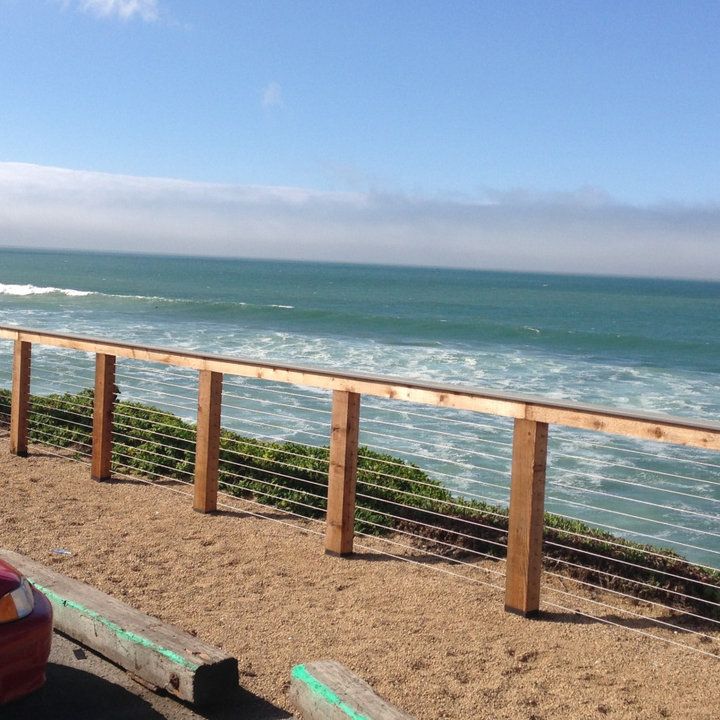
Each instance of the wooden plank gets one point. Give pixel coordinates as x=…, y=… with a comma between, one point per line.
x=527, y=507
x=103, y=417
x=20, y=398
x=158, y=653
x=684, y=431
x=207, y=447
x=342, y=477
x=392, y=388
x=326, y=690
x=644, y=428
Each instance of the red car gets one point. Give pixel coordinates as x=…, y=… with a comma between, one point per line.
x=25, y=635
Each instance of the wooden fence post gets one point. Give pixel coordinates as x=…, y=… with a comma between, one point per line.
x=20, y=398
x=207, y=445
x=103, y=403
x=527, y=509
x=342, y=477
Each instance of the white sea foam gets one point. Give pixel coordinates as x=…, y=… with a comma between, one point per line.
x=23, y=290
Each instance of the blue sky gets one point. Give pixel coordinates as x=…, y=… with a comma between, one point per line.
x=430, y=104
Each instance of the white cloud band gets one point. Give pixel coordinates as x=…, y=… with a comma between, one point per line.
x=577, y=232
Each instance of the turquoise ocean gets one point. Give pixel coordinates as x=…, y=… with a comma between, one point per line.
x=644, y=344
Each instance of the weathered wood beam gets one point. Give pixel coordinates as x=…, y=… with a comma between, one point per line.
x=527, y=513
x=20, y=398
x=207, y=446
x=103, y=404
x=342, y=478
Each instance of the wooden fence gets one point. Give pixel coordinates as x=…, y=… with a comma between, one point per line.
x=533, y=417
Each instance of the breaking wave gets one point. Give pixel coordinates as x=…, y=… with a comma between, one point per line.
x=23, y=290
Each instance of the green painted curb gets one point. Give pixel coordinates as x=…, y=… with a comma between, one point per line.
x=115, y=628
x=299, y=672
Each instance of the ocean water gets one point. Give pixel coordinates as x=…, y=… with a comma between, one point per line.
x=621, y=342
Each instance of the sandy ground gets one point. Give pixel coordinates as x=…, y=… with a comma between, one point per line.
x=436, y=645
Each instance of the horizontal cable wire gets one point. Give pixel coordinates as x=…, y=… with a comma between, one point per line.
x=635, y=484
x=662, y=541
x=48, y=435
x=634, y=469
x=187, y=408
x=279, y=486
x=557, y=483
x=283, y=499
x=121, y=455
x=375, y=511
x=280, y=450
x=117, y=443
x=425, y=443
x=468, y=438
x=425, y=497
x=274, y=462
x=234, y=381
x=434, y=555
x=161, y=480
x=630, y=629
x=62, y=396
x=284, y=428
x=274, y=403
x=149, y=409
x=36, y=421
x=621, y=545
x=244, y=383
x=276, y=474
x=621, y=609
x=435, y=418
x=118, y=429
x=438, y=542
x=444, y=460
x=262, y=516
x=130, y=378
x=126, y=420
x=650, y=568
x=425, y=566
x=44, y=369
x=655, y=588
x=280, y=416
x=654, y=456
x=45, y=411
x=280, y=440
x=75, y=457
x=42, y=401
x=118, y=469
x=57, y=387
x=191, y=410
x=635, y=598
x=82, y=426
x=456, y=518
x=637, y=517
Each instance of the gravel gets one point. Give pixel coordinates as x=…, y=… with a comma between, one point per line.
x=435, y=644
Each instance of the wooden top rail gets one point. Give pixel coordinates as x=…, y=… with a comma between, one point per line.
x=647, y=426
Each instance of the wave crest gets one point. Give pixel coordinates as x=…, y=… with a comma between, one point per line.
x=23, y=290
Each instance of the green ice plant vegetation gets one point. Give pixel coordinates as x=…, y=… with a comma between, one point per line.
x=397, y=497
